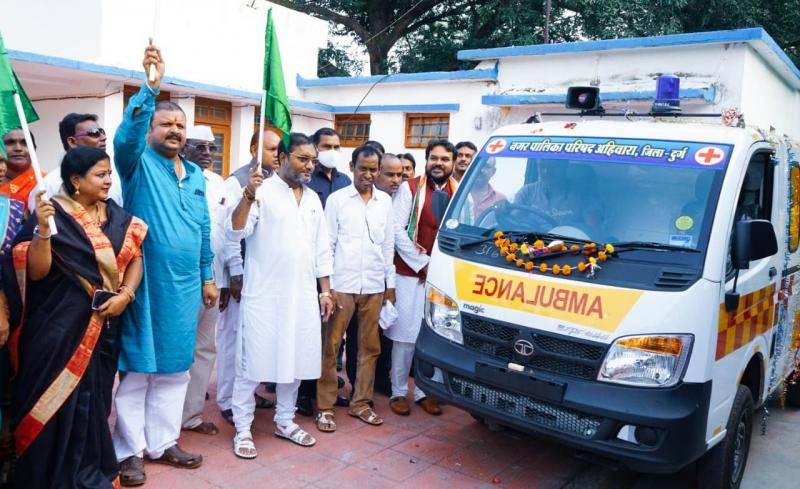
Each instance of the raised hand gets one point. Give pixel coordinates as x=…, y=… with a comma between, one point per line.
x=152, y=57
x=44, y=210
x=255, y=180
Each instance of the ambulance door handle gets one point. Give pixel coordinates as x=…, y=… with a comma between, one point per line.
x=772, y=272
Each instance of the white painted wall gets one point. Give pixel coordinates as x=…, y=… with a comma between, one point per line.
x=217, y=42
x=768, y=100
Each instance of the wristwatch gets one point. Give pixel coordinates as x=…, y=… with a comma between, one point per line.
x=36, y=233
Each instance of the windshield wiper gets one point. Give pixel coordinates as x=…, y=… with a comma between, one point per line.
x=651, y=245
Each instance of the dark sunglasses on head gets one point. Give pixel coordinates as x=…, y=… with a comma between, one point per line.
x=92, y=133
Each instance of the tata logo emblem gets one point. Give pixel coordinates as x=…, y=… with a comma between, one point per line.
x=523, y=347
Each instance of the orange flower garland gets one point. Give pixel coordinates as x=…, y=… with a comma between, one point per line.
x=593, y=254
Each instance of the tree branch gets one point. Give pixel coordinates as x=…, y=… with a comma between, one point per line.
x=327, y=14
x=441, y=15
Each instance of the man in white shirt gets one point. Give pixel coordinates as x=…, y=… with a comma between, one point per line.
x=79, y=130
x=200, y=149
x=288, y=255
x=361, y=231
x=230, y=298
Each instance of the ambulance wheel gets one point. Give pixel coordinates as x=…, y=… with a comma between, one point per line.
x=723, y=466
x=793, y=391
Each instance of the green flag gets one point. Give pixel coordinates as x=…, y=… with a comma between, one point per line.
x=276, y=108
x=8, y=85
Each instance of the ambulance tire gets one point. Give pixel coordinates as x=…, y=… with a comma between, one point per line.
x=793, y=391
x=723, y=466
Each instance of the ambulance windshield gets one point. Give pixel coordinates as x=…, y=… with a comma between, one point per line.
x=592, y=189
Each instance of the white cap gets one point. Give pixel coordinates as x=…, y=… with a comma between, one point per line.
x=201, y=133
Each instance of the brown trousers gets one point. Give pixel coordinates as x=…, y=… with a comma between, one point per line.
x=368, y=308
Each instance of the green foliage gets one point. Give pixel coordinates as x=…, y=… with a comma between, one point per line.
x=428, y=38
x=335, y=61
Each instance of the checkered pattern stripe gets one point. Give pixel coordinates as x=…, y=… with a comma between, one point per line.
x=754, y=316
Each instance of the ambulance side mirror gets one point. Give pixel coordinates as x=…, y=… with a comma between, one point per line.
x=753, y=239
x=439, y=201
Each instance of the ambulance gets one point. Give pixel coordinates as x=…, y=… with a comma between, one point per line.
x=624, y=285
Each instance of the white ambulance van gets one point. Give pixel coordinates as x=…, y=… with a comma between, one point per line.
x=623, y=286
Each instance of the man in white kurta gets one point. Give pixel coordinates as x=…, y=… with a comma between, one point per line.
x=200, y=148
x=230, y=298
x=288, y=252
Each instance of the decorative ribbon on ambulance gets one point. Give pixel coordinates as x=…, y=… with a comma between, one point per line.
x=601, y=308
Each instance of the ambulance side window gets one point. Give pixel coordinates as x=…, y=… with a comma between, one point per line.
x=755, y=196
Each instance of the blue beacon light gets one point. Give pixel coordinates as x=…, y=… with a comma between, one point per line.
x=667, y=94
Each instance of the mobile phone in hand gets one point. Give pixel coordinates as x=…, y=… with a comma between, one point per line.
x=100, y=298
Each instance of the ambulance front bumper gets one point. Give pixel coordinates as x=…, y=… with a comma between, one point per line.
x=649, y=430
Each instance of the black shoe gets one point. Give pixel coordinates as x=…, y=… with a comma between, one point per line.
x=227, y=415
x=131, y=472
x=304, y=406
x=342, y=401
x=263, y=402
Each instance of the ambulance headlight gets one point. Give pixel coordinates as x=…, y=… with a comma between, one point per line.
x=646, y=361
x=442, y=315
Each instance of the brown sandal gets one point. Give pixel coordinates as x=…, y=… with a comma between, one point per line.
x=178, y=458
x=204, y=428
x=367, y=415
x=326, y=422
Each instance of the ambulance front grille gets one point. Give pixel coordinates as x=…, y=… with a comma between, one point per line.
x=552, y=353
x=525, y=408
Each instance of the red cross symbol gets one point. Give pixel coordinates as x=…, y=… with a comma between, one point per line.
x=709, y=156
x=496, y=147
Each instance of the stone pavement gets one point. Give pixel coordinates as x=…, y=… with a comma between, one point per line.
x=452, y=451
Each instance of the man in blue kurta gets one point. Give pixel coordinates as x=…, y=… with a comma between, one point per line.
x=158, y=330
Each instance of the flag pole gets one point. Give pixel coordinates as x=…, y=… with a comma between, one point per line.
x=37, y=170
x=151, y=72
x=260, y=154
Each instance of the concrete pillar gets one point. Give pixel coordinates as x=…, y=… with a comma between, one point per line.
x=242, y=118
x=186, y=103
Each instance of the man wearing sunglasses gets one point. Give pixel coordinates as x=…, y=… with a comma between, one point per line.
x=200, y=148
x=78, y=130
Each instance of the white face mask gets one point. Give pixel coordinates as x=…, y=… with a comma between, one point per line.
x=329, y=158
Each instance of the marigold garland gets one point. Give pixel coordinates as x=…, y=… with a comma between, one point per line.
x=593, y=254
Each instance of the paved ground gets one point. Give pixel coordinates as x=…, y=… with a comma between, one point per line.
x=452, y=450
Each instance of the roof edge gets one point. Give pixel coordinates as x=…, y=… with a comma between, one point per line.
x=476, y=75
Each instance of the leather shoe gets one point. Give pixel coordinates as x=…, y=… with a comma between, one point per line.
x=176, y=457
x=304, y=406
x=430, y=406
x=131, y=472
x=342, y=401
x=399, y=405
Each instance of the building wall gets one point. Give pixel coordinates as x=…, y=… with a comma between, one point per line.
x=213, y=42
x=769, y=101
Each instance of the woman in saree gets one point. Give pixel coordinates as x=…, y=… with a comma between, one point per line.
x=65, y=351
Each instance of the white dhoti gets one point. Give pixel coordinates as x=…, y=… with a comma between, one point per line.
x=205, y=353
x=410, y=306
x=149, y=408
x=227, y=329
x=410, y=311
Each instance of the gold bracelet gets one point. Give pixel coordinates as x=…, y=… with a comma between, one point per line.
x=131, y=293
x=247, y=195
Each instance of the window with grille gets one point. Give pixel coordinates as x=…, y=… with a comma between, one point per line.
x=421, y=128
x=217, y=115
x=354, y=129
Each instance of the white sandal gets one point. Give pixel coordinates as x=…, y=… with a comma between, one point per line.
x=295, y=434
x=243, y=446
